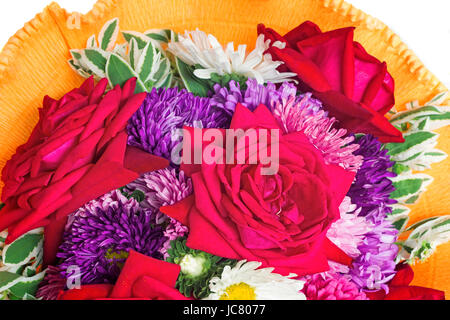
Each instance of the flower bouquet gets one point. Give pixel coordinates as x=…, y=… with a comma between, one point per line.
x=174, y=165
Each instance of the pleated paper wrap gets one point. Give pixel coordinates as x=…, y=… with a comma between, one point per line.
x=34, y=63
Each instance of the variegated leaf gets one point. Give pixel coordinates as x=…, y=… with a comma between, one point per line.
x=425, y=236
x=167, y=83
x=161, y=35
x=26, y=285
x=23, y=248
x=79, y=64
x=415, y=142
x=162, y=71
x=409, y=186
x=91, y=42
x=96, y=61
x=108, y=35
x=8, y=279
x=146, y=62
x=118, y=71
x=438, y=99
x=399, y=216
x=121, y=50
x=140, y=38
x=193, y=84
x=133, y=53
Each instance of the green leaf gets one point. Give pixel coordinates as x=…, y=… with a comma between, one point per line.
x=30, y=297
x=406, y=187
x=399, y=216
x=146, y=62
x=157, y=37
x=439, y=99
x=118, y=72
x=399, y=210
x=22, y=249
x=161, y=76
x=412, y=199
x=411, y=140
x=422, y=222
x=76, y=54
x=409, y=185
x=167, y=82
x=405, y=116
x=91, y=42
x=198, y=87
x=96, y=60
x=27, y=285
x=134, y=53
x=442, y=224
x=141, y=39
x=108, y=35
x=78, y=69
x=399, y=168
x=400, y=223
x=424, y=237
x=8, y=279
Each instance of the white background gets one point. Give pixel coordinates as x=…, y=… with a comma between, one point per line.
x=424, y=25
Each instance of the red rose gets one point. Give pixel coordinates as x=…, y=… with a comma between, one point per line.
x=142, y=277
x=399, y=288
x=355, y=87
x=281, y=219
x=77, y=152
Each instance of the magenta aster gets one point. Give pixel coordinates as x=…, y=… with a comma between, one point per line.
x=329, y=286
x=52, y=285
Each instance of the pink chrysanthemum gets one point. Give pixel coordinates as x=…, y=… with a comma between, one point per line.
x=336, y=148
x=348, y=232
x=161, y=188
x=294, y=113
x=331, y=286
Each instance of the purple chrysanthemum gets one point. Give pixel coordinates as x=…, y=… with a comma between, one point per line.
x=370, y=191
x=226, y=98
x=372, y=187
x=375, y=266
x=100, y=235
x=161, y=188
x=165, y=110
x=294, y=113
x=52, y=284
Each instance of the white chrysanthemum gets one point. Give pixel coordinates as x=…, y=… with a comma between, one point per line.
x=246, y=282
x=192, y=266
x=198, y=48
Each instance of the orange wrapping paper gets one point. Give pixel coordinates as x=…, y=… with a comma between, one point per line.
x=34, y=63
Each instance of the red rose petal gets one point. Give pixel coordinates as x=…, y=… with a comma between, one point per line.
x=154, y=289
x=138, y=265
x=87, y=292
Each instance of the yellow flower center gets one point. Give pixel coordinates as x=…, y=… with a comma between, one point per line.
x=239, y=291
x=112, y=257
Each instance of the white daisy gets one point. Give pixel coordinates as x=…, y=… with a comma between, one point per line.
x=198, y=48
x=246, y=282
